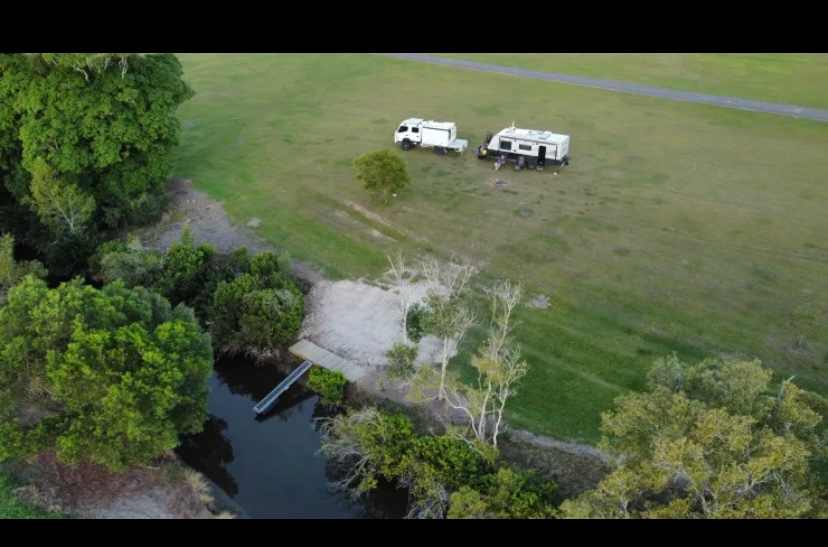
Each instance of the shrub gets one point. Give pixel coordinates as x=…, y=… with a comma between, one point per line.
x=415, y=322
x=247, y=317
x=133, y=267
x=444, y=475
x=401, y=361
x=185, y=269
x=329, y=384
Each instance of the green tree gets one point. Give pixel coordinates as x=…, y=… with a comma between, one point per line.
x=383, y=173
x=708, y=440
x=64, y=208
x=12, y=271
x=257, y=311
x=185, y=269
x=110, y=376
x=86, y=141
x=506, y=494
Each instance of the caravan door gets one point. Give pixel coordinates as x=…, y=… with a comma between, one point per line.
x=541, y=155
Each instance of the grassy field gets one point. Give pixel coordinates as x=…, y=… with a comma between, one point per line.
x=800, y=79
x=11, y=508
x=677, y=227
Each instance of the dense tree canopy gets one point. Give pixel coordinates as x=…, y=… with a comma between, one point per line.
x=85, y=142
x=709, y=440
x=11, y=270
x=110, y=376
x=250, y=303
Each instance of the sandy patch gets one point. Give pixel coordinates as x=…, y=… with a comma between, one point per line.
x=361, y=322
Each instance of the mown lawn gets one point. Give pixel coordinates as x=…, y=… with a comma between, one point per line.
x=677, y=227
x=792, y=78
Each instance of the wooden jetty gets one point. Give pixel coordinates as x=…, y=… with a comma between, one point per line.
x=312, y=355
x=309, y=351
x=270, y=399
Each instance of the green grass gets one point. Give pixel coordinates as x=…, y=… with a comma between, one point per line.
x=677, y=227
x=799, y=79
x=12, y=508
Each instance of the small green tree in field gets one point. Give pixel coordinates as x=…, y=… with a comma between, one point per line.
x=329, y=384
x=383, y=173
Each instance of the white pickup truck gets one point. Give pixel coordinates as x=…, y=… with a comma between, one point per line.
x=441, y=136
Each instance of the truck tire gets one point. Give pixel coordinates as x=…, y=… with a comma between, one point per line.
x=406, y=144
x=439, y=150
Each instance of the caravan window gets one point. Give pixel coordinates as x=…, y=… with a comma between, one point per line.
x=402, y=129
x=525, y=146
x=505, y=145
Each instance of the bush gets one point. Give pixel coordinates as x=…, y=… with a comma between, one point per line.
x=415, y=322
x=383, y=173
x=134, y=268
x=185, y=269
x=246, y=315
x=445, y=475
x=401, y=361
x=329, y=384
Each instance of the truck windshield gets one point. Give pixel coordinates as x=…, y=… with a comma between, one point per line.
x=402, y=129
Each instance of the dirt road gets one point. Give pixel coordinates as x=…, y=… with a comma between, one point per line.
x=793, y=111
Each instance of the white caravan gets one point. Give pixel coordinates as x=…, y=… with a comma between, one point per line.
x=526, y=147
x=442, y=136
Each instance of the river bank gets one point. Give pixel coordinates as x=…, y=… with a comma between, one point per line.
x=168, y=489
x=575, y=467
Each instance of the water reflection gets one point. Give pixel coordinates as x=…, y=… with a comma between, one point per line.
x=270, y=464
x=210, y=452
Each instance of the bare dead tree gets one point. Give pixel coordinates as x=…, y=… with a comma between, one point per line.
x=449, y=317
x=340, y=444
x=447, y=278
x=400, y=276
x=499, y=368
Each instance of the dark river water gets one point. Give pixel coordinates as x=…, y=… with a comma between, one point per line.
x=269, y=466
